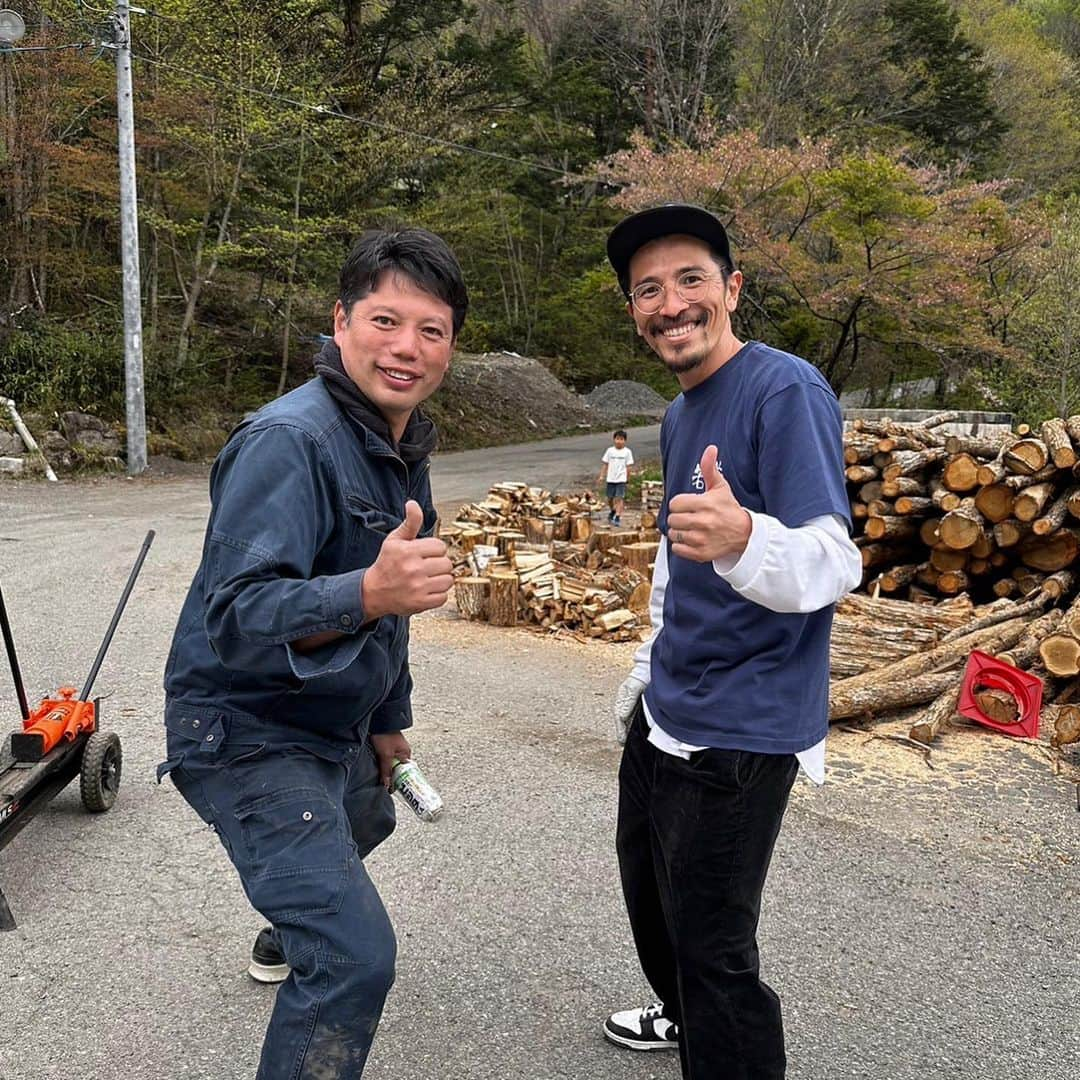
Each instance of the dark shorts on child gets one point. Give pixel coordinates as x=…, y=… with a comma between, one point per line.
x=616, y=491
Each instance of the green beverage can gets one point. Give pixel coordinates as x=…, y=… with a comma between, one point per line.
x=413, y=787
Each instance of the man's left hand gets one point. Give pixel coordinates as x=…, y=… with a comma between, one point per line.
x=710, y=525
x=387, y=747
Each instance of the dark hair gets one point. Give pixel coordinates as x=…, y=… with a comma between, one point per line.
x=421, y=256
x=620, y=434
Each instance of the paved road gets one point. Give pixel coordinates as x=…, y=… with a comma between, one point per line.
x=919, y=923
x=554, y=463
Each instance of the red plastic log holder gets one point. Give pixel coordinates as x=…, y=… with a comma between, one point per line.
x=987, y=673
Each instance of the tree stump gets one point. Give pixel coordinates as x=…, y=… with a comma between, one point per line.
x=503, y=599
x=471, y=595
x=639, y=556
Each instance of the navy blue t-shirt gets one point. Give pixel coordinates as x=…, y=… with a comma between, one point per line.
x=727, y=672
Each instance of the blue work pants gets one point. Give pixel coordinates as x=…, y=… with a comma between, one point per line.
x=297, y=815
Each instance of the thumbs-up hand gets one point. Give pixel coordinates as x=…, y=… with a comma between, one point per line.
x=710, y=525
x=409, y=575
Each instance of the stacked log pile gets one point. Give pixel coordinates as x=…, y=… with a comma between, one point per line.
x=525, y=556
x=941, y=515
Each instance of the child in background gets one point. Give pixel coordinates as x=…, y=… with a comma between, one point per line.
x=617, y=459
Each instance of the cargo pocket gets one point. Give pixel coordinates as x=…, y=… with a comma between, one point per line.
x=188, y=734
x=294, y=853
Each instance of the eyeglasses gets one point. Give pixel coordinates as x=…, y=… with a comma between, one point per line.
x=692, y=285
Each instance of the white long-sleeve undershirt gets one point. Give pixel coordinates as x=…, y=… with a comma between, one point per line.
x=783, y=569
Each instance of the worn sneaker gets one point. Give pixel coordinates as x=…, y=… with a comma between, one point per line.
x=642, y=1029
x=616, y=520
x=267, y=960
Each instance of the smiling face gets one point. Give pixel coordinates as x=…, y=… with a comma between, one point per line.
x=693, y=339
x=395, y=345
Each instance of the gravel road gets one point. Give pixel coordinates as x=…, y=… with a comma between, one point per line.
x=919, y=921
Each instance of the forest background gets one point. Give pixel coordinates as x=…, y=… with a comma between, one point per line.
x=901, y=180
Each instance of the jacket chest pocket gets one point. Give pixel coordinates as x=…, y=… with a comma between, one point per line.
x=369, y=525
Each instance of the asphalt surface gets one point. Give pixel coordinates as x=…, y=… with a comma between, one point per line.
x=919, y=922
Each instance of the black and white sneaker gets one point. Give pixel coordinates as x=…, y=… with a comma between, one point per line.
x=642, y=1029
x=267, y=960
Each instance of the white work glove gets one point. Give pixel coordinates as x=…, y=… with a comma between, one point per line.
x=626, y=697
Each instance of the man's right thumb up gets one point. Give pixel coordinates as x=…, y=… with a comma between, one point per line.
x=410, y=528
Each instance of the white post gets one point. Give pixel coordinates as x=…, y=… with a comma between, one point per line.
x=129, y=244
x=27, y=438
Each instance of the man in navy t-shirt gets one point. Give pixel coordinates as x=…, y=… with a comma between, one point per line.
x=730, y=694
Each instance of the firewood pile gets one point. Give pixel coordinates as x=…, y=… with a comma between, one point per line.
x=991, y=524
x=525, y=556
x=939, y=515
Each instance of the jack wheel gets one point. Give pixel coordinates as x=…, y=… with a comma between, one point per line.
x=99, y=780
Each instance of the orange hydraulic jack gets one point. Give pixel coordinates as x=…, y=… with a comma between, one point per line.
x=66, y=717
x=60, y=740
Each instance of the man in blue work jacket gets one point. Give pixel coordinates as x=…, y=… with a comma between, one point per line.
x=288, y=685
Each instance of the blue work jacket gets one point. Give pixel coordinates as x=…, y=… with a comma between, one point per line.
x=302, y=497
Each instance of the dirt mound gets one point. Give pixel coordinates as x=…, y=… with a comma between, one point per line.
x=621, y=398
x=498, y=398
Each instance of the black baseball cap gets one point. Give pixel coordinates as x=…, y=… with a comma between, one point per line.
x=671, y=219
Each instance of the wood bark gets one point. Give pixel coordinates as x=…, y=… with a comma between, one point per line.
x=882, y=697
x=939, y=713
x=1056, y=436
x=1029, y=503
x=1026, y=457
x=849, y=694
x=503, y=599
x=471, y=595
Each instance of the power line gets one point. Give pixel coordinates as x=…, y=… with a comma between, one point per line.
x=338, y=114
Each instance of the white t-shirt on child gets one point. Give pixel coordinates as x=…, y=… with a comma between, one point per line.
x=617, y=462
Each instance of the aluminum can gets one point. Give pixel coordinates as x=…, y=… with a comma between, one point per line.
x=413, y=787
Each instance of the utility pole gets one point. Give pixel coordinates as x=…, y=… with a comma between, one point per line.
x=129, y=247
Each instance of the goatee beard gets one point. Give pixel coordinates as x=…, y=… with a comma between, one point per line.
x=685, y=363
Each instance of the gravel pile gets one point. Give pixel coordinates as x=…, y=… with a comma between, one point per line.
x=622, y=397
